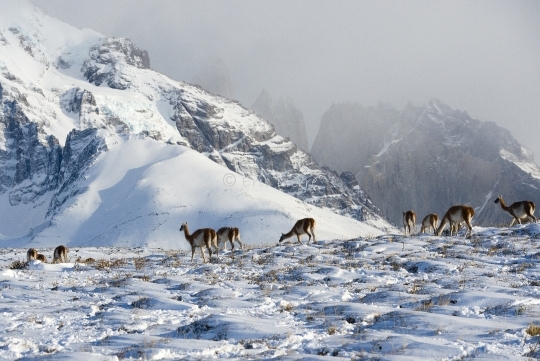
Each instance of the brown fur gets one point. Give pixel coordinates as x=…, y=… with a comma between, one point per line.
x=60, y=254
x=202, y=237
x=518, y=210
x=409, y=221
x=430, y=221
x=41, y=257
x=303, y=226
x=85, y=261
x=456, y=215
x=229, y=234
x=31, y=254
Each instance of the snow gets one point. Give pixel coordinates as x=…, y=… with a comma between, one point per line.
x=143, y=109
x=355, y=293
x=386, y=145
x=387, y=297
x=141, y=190
x=528, y=167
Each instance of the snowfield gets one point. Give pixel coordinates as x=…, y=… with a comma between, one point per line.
x=140, y=191
x=388, y=297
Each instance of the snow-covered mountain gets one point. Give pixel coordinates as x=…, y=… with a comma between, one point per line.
x=427, y=158
x=94, y=149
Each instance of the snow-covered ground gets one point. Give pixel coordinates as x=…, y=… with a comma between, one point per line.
x=387, y=298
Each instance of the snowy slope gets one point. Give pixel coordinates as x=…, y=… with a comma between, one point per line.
x=71, y=100
x=141, y=190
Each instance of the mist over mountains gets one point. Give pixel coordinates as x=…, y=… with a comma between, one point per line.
x=70, y=97
x=286, y=118
x=427, y=158
x=97, y=148
x=214, y=77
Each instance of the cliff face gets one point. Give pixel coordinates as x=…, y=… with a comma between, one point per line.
x=427, y=159
x=284, y=116
x=249, y=146
x=65, y=102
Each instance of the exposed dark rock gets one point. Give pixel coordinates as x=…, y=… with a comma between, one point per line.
x=263, y=156
x=106, y=62
x=30, y=161
x=81, y=149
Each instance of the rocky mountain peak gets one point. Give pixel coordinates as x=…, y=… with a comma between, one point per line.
x=427, y=158
x=57, y=123
x=106, y=60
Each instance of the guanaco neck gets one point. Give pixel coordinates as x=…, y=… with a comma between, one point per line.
x=289, y=235
x=503, y=205
x=445, y=219
x=186, y=233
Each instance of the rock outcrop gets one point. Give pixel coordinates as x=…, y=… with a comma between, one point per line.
x=68, y=105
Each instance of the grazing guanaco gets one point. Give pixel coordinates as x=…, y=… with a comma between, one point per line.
x=518, y=210
x=31, y=254
x=204, y=237
x=303, y=226
x=456, y=215
x=430, y=221
x=229, y=234
x=456, y=227
x=60, y=254
x=409, y=221
x=41, y=257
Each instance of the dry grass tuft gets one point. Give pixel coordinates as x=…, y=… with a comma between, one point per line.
x=107, y=264
x=143, y=302
x=18, y=264
x=139, y=263
x=533, y=330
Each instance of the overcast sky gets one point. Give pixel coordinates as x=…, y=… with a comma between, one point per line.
x=482, y=57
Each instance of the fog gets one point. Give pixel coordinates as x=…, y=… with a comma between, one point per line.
x=479, y=56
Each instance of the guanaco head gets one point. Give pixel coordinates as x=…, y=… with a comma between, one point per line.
x=498, y=199
x=184, y=225
x=282, y=237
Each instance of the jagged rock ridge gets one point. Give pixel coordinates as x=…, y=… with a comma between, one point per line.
x=66, y=106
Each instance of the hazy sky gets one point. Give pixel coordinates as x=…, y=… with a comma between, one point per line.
x=482, y=57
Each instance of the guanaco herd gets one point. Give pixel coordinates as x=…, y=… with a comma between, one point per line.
x=207, y=237
x=59, y=255
x=456, y=215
